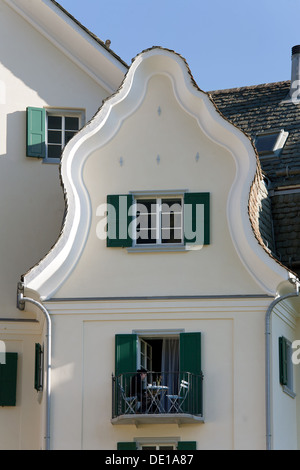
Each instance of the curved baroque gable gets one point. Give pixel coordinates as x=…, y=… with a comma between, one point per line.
x=46, y=277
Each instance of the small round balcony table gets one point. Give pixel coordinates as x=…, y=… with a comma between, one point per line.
x=155, y=394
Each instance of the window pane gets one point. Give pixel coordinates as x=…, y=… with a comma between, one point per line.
x=171, y=235
x=54, y=137
x=146, y=221
x=54, y=151
x=54, y=122
x=71, y=123
x=171, y=213
x=68, y=136
x=266, y=143
x=174, y=204
x=171, y=221
x=146, y=236
x=146, y=207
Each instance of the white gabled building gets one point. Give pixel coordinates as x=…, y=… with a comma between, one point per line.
x=179, y=284
x=149, y=256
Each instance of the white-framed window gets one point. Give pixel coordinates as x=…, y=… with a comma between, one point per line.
x=49, y=130
x=159, y=220
x=145, y=354
x=149, y=221
x=61, y=127
x=162, y=444
x=159, y=352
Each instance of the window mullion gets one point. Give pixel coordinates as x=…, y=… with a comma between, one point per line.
x=63, y=131
x=158, y=222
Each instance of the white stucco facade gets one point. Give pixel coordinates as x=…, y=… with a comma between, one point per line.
x=155, y=134
x=222, y=289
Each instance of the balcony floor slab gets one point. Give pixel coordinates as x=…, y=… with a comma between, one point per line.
x=167, y=418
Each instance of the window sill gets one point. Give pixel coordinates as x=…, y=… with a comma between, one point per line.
x=51, y=160
x=288, y=391
x=164, y=248
x=156, y=248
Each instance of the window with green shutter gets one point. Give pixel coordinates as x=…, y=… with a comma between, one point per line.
x=8, y=380
x=185, y=364
x=162, y=446
x=285, y=364
x=168, y=221
x=49, y=130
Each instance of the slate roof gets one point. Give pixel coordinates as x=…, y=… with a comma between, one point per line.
x=263, y=108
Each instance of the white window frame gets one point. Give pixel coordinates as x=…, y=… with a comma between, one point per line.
x=147, y=362
x=157, y=442
x=158, y=197
x=144, y=335
x=62, y=112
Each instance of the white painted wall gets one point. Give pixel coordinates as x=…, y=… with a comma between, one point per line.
x=84, y=335
x=284, y=406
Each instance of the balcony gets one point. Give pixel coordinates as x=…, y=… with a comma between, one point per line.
x=161, y=397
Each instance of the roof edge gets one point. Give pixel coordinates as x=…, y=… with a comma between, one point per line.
x=90, y=33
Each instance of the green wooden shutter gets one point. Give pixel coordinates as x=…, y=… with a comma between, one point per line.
x=190, y=368
x=126, y=446
x=283, y=365
x=187, y=445
x=118, y=220
x=197, y=218
x=8, y=380
x=126, y=354
x=36, y=133
x=38, y=373
x=190, y=352
x=125, y=366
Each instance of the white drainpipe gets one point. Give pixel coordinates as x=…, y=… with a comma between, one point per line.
x=21, y=305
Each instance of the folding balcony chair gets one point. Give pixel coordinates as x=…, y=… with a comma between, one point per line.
x=131, y=403
x=176, y=401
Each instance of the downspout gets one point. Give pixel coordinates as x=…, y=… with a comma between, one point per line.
x=21, y=305
x=268, y=360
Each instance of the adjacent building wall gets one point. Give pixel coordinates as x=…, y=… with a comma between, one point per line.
x=33, y=72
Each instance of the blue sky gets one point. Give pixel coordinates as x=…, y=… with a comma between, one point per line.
x=227, y=43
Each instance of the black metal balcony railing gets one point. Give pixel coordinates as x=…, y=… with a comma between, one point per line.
x=161, y=393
